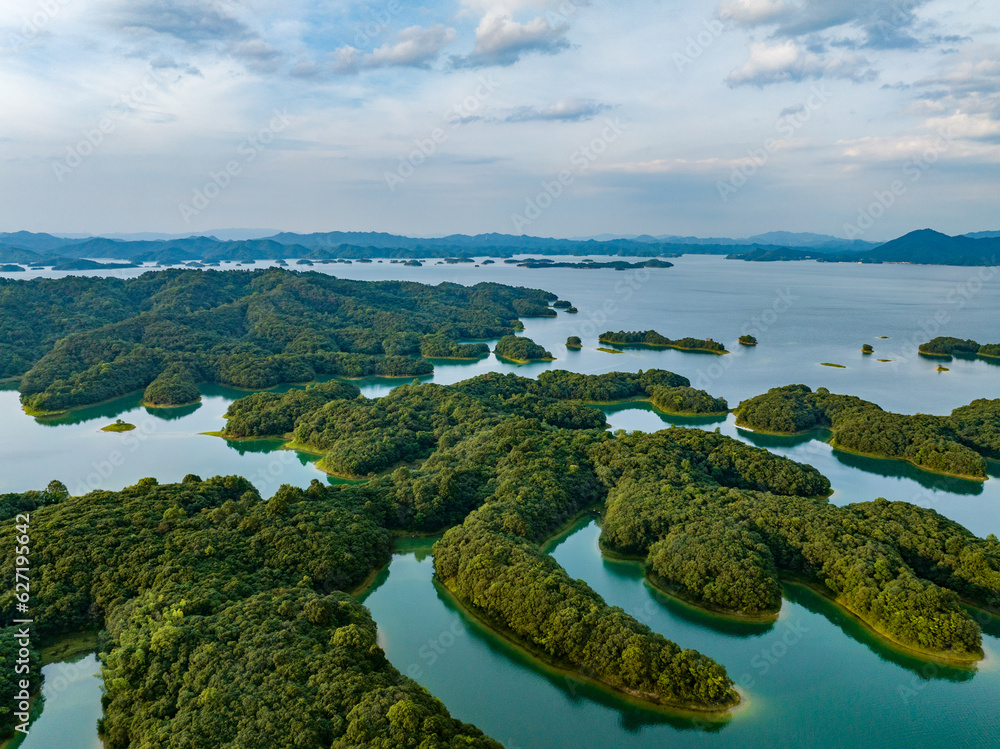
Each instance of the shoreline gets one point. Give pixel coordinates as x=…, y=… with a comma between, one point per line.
x=723, y=352
x=676, y=597
x=930, y=655
x=848, y=451
x=819, y=590
x=571, y=671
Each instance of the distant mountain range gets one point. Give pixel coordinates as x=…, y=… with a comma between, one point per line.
x=920, y=247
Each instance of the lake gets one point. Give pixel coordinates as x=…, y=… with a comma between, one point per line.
x=814, y=677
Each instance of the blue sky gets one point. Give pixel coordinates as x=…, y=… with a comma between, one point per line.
x=564, y=118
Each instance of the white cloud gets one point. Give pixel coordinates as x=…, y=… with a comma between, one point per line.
x=564, y=110
x=500, y=40
x=789, y=61
x=754, y=12
x=415, y=47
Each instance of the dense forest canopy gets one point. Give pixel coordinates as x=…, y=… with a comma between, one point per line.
x=222, y=611
x=957, y=444
x=172, y=389
x=76, y=341
x=709, y=514
x=226, y=621
x=521, y=349
x=687, y=401
x=945, y=346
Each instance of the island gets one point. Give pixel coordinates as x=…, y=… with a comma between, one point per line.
x=686, y=401
x=89, y=340
x=653, y=339
x=867, y=349
x=748, y=340
x=84, y=264
x=957, y=445
x=946, y=347
x=119, y=426
x=774, y=254
x=593, y=265
x=521, y=350
x=8, y=268
x=574, y=342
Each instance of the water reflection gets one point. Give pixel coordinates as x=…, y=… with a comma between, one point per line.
x=905, y=470
x=174, y=413
x=668, y=419
x=572, y=686
x=853, y=628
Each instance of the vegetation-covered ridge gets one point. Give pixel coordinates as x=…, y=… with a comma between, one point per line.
x=717, y=521
x=79, y=341
x=946, y=347
x=957, y=444
x=225, y=621
x=723, y=535
x=652, y=338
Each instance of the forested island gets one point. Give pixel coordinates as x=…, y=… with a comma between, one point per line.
x=654, y=339
x=76, y=341
x=719, y=523
x=190, y=583
x=947, y=347
x=521, y=350
x=591, y=264
x=119, y=426
x=957, y=445
x=686, y=401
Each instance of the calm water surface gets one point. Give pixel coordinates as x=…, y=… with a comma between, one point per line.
x=813, y=678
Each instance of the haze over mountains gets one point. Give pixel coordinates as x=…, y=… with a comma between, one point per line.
x=921, y=247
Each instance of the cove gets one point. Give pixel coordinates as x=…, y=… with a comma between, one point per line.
x=814, y=677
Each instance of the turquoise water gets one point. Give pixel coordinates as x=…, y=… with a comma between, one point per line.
x=72, y=706
x=830, y=684
x=814, y=677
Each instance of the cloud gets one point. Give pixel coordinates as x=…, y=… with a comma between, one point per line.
x=257, y=55
x=942, y=140
x=187, y=20
x=500, y=40
x=416, y=47
x=788, y=61
x=564, y=110
x=969, y=77
x=199, y=26
x=878, y=24
x=750, y=13
x=968, y=85
x=164, y=62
